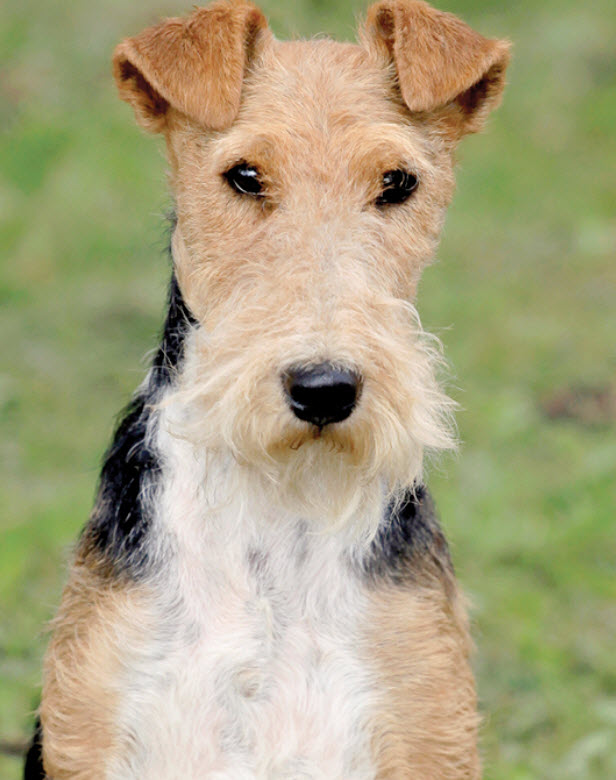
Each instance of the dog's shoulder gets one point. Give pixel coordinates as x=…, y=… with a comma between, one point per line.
x=409, y=541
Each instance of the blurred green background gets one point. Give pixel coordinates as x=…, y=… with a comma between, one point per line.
x=524, y=298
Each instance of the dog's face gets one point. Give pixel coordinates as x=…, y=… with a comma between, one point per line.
x=311, y=181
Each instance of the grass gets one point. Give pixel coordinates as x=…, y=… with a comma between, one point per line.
x=523, y=297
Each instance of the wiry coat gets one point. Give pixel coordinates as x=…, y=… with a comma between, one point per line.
x=255, y=596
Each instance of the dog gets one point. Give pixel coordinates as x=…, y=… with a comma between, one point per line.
x=263, y=589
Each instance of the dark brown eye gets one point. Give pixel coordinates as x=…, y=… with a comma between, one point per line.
x=398, y=186
x=244, y=179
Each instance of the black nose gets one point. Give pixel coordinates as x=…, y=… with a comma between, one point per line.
x=321, y=394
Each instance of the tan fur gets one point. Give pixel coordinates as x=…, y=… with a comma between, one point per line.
x=418, y=643
x=86, y=667
x=178, y=62
x=443, y=66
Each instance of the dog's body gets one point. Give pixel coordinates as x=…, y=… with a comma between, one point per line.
x=262, y=590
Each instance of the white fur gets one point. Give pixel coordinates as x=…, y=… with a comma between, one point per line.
x=253, y=670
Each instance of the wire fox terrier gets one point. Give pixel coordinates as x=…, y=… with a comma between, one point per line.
x=262, y=590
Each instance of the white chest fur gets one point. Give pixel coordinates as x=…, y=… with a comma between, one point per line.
x=252, y=670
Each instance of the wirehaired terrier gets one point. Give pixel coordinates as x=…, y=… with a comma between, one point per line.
x=262, y=590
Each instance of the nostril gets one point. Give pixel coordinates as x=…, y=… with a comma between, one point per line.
x=322, y=394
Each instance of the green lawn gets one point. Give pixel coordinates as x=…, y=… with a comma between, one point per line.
x=523, y=297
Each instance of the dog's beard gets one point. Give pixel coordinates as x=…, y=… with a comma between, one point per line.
x=230, y=401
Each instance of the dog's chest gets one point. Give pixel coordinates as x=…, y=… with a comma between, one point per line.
x=254, y=669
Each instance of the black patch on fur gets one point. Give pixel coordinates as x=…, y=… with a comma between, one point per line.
x=171, y=350
x=120, y=521
x=33, y=768
x=409, y=536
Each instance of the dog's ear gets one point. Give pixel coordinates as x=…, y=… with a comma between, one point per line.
x=194, y=65
x=442, y=65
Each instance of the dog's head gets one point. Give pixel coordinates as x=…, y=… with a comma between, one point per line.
x=311, y=181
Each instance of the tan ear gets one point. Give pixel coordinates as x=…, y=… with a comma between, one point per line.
x=194, y=65
x=440, y=61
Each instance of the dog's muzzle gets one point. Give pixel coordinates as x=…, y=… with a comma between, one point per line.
x=321, y=394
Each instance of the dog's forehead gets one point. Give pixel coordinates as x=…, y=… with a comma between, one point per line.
x=324, y=106
x=320, y=81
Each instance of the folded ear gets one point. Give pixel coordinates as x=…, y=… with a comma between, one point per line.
x=194, y=65
x=442, y=64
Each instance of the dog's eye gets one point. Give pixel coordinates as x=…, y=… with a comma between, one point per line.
x=398, y=186
x=244, y=179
